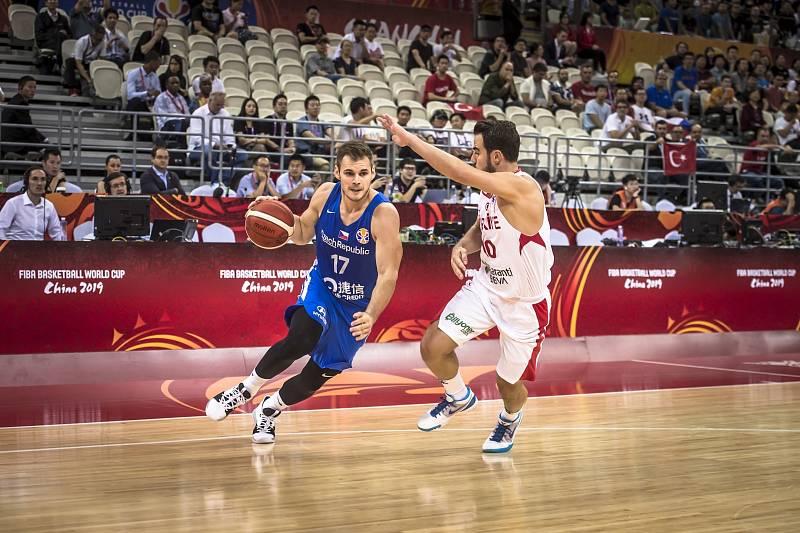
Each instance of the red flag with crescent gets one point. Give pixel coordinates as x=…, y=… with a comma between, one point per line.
x=680, y=158
x=470, y=112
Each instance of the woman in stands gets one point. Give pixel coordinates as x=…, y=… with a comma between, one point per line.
x=535, y=56
x=251, y=134
x=174, y=68
x=345, y=64
x=587, y=44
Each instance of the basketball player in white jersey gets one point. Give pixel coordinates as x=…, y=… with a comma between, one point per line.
x=509, y=291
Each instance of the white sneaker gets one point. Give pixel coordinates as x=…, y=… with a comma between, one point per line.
x=442, y=412
x=264, y=430
x=502, y=438
x=225, y=402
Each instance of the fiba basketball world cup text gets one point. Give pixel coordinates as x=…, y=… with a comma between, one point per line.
x=78, y=281
x=282, y=280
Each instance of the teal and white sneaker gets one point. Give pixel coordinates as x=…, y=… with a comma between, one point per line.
x=502, y=438
x=442, y=412
x=264, y=430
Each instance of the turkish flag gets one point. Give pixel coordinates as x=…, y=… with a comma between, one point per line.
x=680, y=158
x=470, y=112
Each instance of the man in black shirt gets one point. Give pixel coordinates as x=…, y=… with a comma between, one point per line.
x=421, y=52
x=207, y=20
x=407, y=183
x=495, y=57
x=51, y=28
x=279, y=132
x=310, y=30
x=15, y=121
x=152, y=40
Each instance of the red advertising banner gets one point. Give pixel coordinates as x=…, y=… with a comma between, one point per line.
x=108, y=296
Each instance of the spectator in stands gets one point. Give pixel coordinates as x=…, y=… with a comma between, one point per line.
x=420, y=52
x=780, y=67
x=319, y=64
x=597, y=110
x=310, y=30
x=142, y=88
x=759, y=161
x=235, y=20
x=704, y=23
x=621, y=95
x=784, y=204
x=257, y=183
x=517, y=58
x=655, y=153
x=116, y=184
x=403, y=117
x=373, y=49
x=201, y=97
x=583, y=89
x=735, y=185
x=587, y=44
x=705, y=80
x=154, y=40
x=776, y=93
x=210, y=67
x=535, y=55
x=732, y=57
x=659, y=99
x=437, y=136
x=669, y=19
x=51, y=28
x=760, y=72
x=361, y=114
x=411, y=187
x=627, y=198
x=158, y=179
x=684, y=83
x=208, y=138
x=609, y=13
x=561, y=93
x=113, y=165
x=644, y=117
x=722, y=101
x=752, y=117
x=618, y=126
x=536, y=90
x=83, y=19
x=707, y=168
x=280, y=130
x=718, y=69
x=17, y=126
x=787, y=130
x=612, y=82
x=494, y=59
x=294, y=184
x=175, y=69
x=440, y=87
x=117, y=47
x=315, y=138
x=740, y=75
x=564, y=23
x=56, y=179
x=461, y=142
x=87, y=49
x=445, y=46
x=207, y=20
x=637, y=82
x=500, y=90
x=675, y=60
x=723, y=28
x=172, y=102
x=556, y=52
x=251, y=134
x=28, y=216
x=345, y=64
x=356, y=38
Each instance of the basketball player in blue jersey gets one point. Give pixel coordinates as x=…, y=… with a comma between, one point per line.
x=357, y=232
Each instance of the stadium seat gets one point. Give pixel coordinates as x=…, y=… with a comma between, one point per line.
x=217, y=232
x=236, y=80
x=348, y=87
x=665, y=205
x=463, y=67
x=558, y=238
x=394, y=75
x=589, y=237
x=263, y=82
x=201, y=43
x=542, y=118
x=430, y=107
x=176, y=26
x=382, y=106
x=227, y=45
x=262, y=65
x=599, y=203
x=305, y=51
x=21, y=19
x=142, y=23
x=261, y=34
x=417, y=111
x=404, y=91
x=257, y=48
x=330, y=104
x=202, y=190
x=320, y=85
x=288, y=67
x=378, y=89
x=283, y=36
x=293, y=84
x=281, y=50
x=233, y=63
x=493, y=111
x=518, y=116
x=369, y=72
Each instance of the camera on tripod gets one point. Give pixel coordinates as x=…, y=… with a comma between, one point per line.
x=570, y=185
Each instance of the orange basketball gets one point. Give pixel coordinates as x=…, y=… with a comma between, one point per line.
x=269, y=224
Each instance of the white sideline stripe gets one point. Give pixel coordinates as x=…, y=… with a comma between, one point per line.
x=717, y=368
x=270, y=218
x=427, y=404
x=417, y=431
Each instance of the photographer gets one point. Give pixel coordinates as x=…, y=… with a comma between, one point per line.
x=627, y=198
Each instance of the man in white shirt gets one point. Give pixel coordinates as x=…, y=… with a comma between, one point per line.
x=142, y=87
x=210, y=134
x=257, y=183
x=210, y=67
x=618, y=126
x=374, y=49
x=787, y=127
x=461, y=142
x=170, y=102
x=294, y=184
x=535, y=90
x=88, y=48
x=117, y=47
x=445, y=46
x=357, y=38
x=360, y=115
x=28, y=216
x=641, y=113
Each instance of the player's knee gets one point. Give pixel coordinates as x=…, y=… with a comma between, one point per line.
x=432, y=347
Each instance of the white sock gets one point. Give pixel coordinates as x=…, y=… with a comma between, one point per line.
x=275, y=403
x=509, y=417
x=253, y=382
x=455, y=387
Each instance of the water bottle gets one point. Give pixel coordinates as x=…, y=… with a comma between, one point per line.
x=64, y=229
x=620, y=236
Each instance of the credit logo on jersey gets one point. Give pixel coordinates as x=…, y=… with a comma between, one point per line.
x=362, y=235
x=343, y=235
x=466, y=329
x=344, y=290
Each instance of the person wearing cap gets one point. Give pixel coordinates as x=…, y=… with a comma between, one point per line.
x=210, y=132
x=319, y=64
x=440, y=87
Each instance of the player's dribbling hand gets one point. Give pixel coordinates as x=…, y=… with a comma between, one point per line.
x=399, y=134
x=361, y=326
x=458, y=260
x=261, y=199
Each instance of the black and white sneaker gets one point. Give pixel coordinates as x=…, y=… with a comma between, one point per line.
x=264, y=430
x=225, y=402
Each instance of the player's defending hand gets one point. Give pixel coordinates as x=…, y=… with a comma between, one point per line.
x=400, y=136
x=361, y=326
x=261, y=199
x=458, y=260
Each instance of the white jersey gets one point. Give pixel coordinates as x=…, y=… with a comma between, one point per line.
x=513, y=265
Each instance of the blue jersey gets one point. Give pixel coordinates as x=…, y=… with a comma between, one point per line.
x=346, y=254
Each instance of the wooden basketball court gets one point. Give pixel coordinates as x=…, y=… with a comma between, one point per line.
x=701, y=459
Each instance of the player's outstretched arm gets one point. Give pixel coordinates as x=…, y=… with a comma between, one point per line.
x=305, y=223
x=388, y=254
x=505, y=185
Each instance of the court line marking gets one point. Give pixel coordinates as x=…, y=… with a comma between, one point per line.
x=426, y=404
x=409, y=430
x=796, y=376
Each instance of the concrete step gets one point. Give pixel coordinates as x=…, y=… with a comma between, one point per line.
x=10, y=88
x=10, y=55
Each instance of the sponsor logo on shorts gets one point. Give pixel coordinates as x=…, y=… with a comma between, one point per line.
x=320, y=313
x=466, y=329
x=362, y=236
